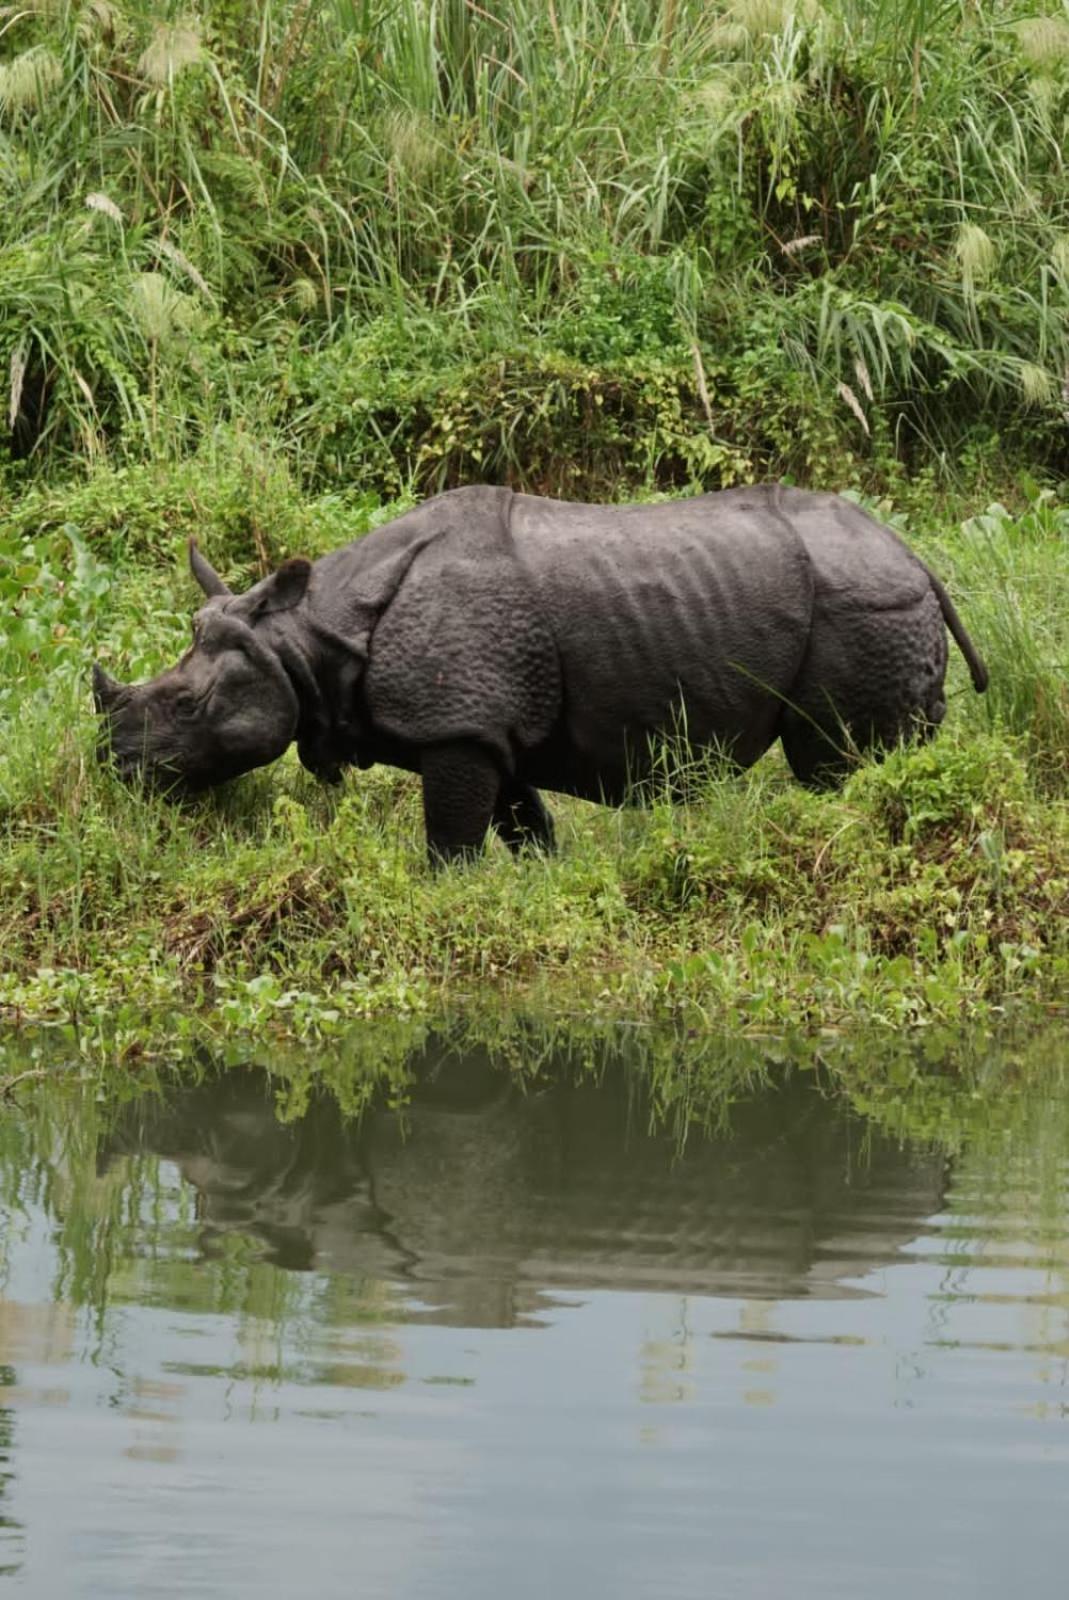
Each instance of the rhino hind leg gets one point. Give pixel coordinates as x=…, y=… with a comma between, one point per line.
x=461, y=786
x=870, y=680
x=522, y=819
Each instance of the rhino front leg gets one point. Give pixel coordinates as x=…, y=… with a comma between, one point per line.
x=461, y=784
x=522, y=819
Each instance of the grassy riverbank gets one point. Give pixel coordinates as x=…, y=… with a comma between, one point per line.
x=934, y=888
x=267, y=274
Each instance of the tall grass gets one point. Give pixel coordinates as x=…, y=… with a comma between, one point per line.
x=1013, y=562
x=709, y=219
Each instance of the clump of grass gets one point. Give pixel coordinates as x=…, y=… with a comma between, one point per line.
x=1009, y=564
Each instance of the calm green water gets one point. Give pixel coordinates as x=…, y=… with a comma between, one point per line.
x=522, y=1339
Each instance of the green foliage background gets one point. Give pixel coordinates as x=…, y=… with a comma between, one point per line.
x=575, y=244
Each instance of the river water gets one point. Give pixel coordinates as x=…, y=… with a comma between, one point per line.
x=520, y=1336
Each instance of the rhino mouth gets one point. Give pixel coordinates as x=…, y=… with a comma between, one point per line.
x=163, y=774
x=138, y=765
x=138, y=770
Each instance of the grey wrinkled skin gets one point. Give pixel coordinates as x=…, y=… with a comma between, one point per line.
x=498, y=643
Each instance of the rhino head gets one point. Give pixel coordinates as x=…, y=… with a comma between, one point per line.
x=227, y=706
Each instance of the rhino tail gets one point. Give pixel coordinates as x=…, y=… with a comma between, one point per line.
x=977, y=669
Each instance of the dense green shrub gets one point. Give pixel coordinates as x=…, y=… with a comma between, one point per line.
x=852, y=212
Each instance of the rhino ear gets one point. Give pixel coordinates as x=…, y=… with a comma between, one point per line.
x=282, y=591
x=205, y=573
x=107, y=694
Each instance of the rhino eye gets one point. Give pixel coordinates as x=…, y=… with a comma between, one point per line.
x=184, y=703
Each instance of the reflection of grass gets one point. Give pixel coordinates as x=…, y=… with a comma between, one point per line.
x=956, y=1087
x=998, y=1106
x=936, y=1085
x=127, y=1230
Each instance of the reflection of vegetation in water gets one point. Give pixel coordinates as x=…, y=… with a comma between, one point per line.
x=450, y=1157
x=10, y=1530
x=958, y=1089
x=936, y=1085
x=999, y=1108
x=121, y=1233
x=1018, y=1168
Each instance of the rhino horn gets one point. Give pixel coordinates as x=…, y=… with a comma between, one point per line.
x=106, y=692
x=205, y=573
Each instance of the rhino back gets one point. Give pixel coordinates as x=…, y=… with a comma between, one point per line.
x=705, y=601
x=352, y=585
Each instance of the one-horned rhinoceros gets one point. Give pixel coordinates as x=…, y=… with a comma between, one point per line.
x=498, y=643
